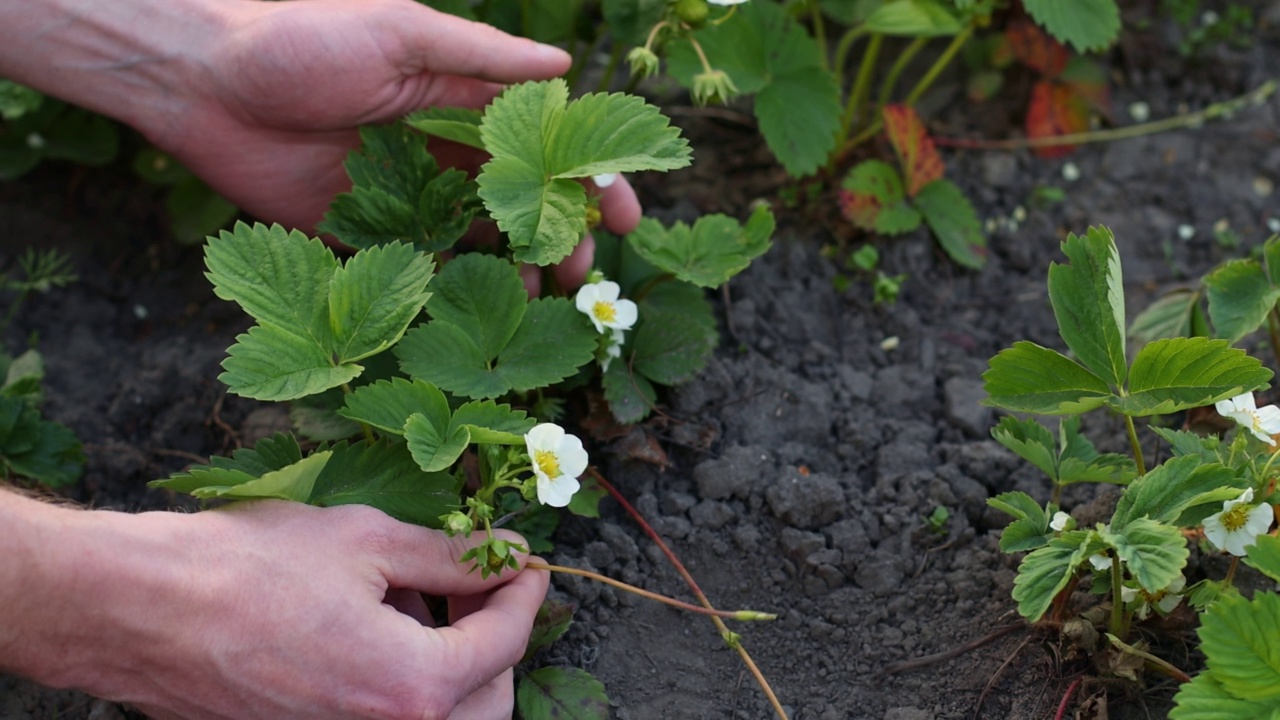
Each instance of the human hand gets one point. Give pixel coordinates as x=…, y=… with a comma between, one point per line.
x=272, y=609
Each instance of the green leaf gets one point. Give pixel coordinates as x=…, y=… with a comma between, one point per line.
x=268, y=363
x=1240, y=296
x=631, y=20
x=17, y=100
x=872, y=198
x=384, y=476
x=1168, y=490
x=913, y=18
x=540, y=142
x=1030, y=441
x=954, y=222
x=387, y=404
x=1184, y=442
x=446, y=207
x=368, y=216
x=1204, y=698
x=1088, y=301
x=320, y=424
x=1046, y=571
x=22, y=376
x=196, y=211
x=766, y=52
x=54, y=459
x=714, y=250
x=630, y=396
x=280, y=278
x=562, y=693
x=374, y=297
x=271, y=453
x=1264, y=556
x=684, y=299
x=1170, y=316
x=1079, y=461
x=1084, y=24
x=1271, y=257
x=1035, y=379
x=482, y=295
x=1180, y=373
x=551, y=622
x=293, y=482
x=432, y=447
x=1153, y=552
x=1030, y=527
x=670, y=348
x=436, y=446
x=460, y=125
x=586, y=502
x=1238, y=640
x=551, y=343
x=490, y=423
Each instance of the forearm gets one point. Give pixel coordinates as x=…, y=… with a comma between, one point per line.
x=134, y=60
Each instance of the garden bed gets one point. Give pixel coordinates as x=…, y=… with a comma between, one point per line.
x=803, y=463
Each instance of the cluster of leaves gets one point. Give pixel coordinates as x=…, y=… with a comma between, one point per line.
x=866, y=260
x=31, y=446
x=1143, y=546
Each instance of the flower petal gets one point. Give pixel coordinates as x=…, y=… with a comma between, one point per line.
x=626, y=315
x=557, y=492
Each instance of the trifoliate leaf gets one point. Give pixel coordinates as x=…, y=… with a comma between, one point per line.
x=951, y=217
x=872, y=198
x=1204, y=698
x=1180, y=373
x=271, y=453
x=1153, y=552
x=384, y=476
x=1088, y=302
x=1043, y=573
x=1030, y=527
x=540, y=142
x=484, y=296
x=446, y=207
x=1034, y=379
x=552, y=620
x=280, y=278
x=387, y=404
x=492, y=423
x=670, y=349
x=559, y=692
x=1185, y=442
x=1240, y=296
x=913, y=18
x=1238, y=640
x=766, y=52
x=1079, y=460
x=715, y=249
x=436, y=446
x=1264, y=556
x=1169, y=316
x=268, y=363
x=433, y=447
x=1085, y=25
x=921, y=163
x=367, y=217
x=551, y=343
x=1168, y=490
x=374, y=297
x=293, y=482
x=630, y=396
x=1030, y=441
x=460, y=125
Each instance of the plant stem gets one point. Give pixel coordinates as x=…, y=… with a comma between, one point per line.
x=819, y=32
x=738, y=615
x=861, y=85
x=693, y=585
x=1133, y=443
x=891, y=78
x=1066, y=699
x=1188, y=120
x=1231, y=572
x=615, y=58
x=842, y=51
x=1273, y=332
x=1117, y=602
x=938, y=66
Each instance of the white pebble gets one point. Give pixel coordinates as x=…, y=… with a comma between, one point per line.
x=890, y=343
x=35, y=141
x=1139, y=111
x=1070, y=172
x=1186, y=232
x=1273, y=224
x=1262, y=186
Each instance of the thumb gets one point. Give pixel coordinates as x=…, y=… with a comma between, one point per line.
x=430, y=561
x=436, y=42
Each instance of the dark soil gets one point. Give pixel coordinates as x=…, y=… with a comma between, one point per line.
x=804, y=460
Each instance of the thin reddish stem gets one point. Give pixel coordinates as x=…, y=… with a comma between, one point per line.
x=1066, y=699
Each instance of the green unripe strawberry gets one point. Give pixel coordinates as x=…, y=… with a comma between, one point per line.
x=692, y=12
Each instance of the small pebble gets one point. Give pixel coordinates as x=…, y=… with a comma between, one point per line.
x=1262, y=186
x=1221, y=226
x=890, y=343
x=1070, y=172
x=1273, y=224
x=140, y=312
x=1208, y=17
x=1019, y=214
x=1139, y=111
x=1186, y=232
x=35, y=141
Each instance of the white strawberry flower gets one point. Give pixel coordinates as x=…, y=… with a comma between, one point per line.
x=1263, y=422
x=599, y=301
x=558, y=459
x=1162, y=600
x=726, y=2
x=1062, y=521
x=1239, y=524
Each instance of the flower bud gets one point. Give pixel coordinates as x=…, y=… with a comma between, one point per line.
x=713, y=86
x=692, y=12
x=457, y=523
x=643, y=62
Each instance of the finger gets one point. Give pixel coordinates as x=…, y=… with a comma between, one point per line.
x=619, y=207
x=491, y=701
x=410, y=602
x=429, y=561
x=426, y=89
x=571, y=271
x=492, y=639
x=531, y=276
x=435, y=42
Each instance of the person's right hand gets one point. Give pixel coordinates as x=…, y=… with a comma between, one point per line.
x=272, y=609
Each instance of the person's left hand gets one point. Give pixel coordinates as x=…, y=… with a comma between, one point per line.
x=275, y=111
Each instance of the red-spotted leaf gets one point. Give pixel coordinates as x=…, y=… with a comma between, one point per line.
x=1089, y=80
x=1055, y=109
x=921, y=163
x=1034, y=48
x=871, y=197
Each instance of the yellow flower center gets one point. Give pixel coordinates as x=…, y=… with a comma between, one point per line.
x=1236, y=517
x=547, y=462
x=604, y=311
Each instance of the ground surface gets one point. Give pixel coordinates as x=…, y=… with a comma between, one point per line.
x=805, y=458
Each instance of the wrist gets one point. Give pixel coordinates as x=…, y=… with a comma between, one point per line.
x=134, y=60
